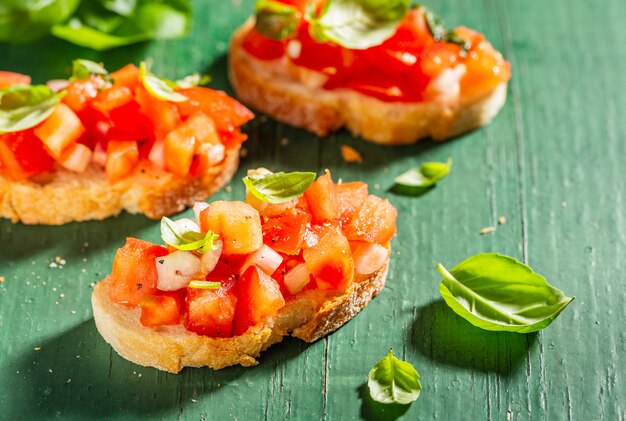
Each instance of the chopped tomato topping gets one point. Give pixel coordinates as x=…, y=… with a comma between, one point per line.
x=158, y=310
x=122, y=157
x=350, y=197
x=375, y=221
x=263, y=48
x=22, y=155
x=60, y=130
x=322, y=199
x=163, y=115
x=79, y=93
x=10, y=78
x=330, y=261
x=111, y=98
x=127, y=76
x=237, y=223
x=285, y=233
x=227, y=113
x=210, y=312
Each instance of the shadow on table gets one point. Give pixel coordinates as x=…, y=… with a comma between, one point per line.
x=441, y=335
x=376, y=411
x=78, y=374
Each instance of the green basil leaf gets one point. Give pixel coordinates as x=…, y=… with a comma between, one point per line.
x=83, y=69
x=25, y=106
x=183, y=239
x=121, y=7
x=496, y=292
x=276, y=20
x=358, y=24
x=204, y=285
x=279, y=187
x=23, y=21
x=427, y=175
x=392, y=380
x=162, y=89
x=441, y=34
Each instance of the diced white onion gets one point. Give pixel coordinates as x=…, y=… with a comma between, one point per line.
x=265, y=259
x=99, y=155
x=210, y=258
x=369, y=257
x=176, y=270
x=187, y=224
x=77, y=159
x=294, y=49
x=297, y=278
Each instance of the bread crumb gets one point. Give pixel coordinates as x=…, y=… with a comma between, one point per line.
x=194, y=400
x=349, y=154
x=243, y=152
x=502, y=220
x=73, y=311
x=228, y=189
x=50, y=370
x=487, y=230
x=37, y=348
x=2, y=279
x=376, y=186
x=93, y=284
x=284, y=141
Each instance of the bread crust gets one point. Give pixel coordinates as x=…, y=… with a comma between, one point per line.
x=322, y=111
x=309, y=315
x=62, y=196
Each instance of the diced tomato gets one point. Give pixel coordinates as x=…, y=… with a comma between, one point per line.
x=314, y=232
x=127, y=76
x=227, y=113
x=163, y=115
x=322, y=199
x=182, y=142
x=134, y=271
x=80, y=92
x=128, y=123
x=328, y=58
x=286, y=233
x=112, y=98
x=261, y=47
x=330, y=262
x=22, y=155
x=96, y=124
x=237, y=223
x=211, y=312
x=207, y=156
x=375, y=221
x=158, y=310
x=10, y=78
x=60, y=130
x=233, y=139
x=350, y=197
x=122, y=157
x=298, y=4
x=259, y=297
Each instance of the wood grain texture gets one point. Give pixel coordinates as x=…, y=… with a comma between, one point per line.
x=551, y=163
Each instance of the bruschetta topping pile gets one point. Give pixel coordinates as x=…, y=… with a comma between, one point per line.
x=126, y=122
x=383, y=49
x=238, y=263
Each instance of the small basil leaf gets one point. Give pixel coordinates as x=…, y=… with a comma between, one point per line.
x=427, y=175
x=358, y=25
x=441, y=34
x=204, y=285
x=392, y=380
x=279, y=187
x=499, y=293
x=162, y=89
x=23, y=107
x=276, y=20
x=83, y=69
x=184, y=239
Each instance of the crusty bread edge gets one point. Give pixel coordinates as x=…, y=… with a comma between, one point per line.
x=64, y=196
x=310, y=315
x=323, y=112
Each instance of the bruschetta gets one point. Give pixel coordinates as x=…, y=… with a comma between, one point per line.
x=393, y=75
x=243, y=275
x=100, y=143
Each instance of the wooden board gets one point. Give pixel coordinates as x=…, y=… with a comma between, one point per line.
x=551, y=163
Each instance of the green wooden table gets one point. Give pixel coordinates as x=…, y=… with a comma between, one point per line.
x=552, y=163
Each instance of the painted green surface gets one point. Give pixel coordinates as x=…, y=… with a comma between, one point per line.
x=551, y=163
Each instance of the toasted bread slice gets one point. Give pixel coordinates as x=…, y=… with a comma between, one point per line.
x=63, y=196
x=309, y=315
x=269, y=87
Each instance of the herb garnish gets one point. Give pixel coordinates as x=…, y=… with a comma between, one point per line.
x=185, y=239
x=392, y=380
x=276, y=20
x=83, y=69
x=441, y=34
x=497, y=292
x=427, y=175
x=279, y=187
x=162, y=89
x=25, y=106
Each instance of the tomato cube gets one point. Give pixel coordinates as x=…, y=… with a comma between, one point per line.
x=211, y=312
x=375, y=221
x=322, y=199
x=134, y=271
x=111, y=98
x=163, y=115
x=330, y=262
x=227, y=112
x=60, y=130
x=350, y=197
x=259, y=297
x=237, y=223
x=79, y=93
x=128, y=123
x=127, y=76
x=182, y=143
x=22, y=155
x=158, y=310
x=286, y=233
x=122, y=157
x=10, y=78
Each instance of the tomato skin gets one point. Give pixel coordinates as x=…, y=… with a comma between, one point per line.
x=285, y=233
x=22, y=155
x=111, y=98
x=211, y=312
x=237, y=223
x=182, y=143
x=259, y=297
x=134, y=272
x=322, y=199
x=128, y=123
x=122, y=157
x=330, y=261
x=79, y=93
x=127, y=76
x=159, y=310
x=60, y=130
x=11, y=78
x=163, y=115
x=350, y=197
x=375, y=221
x=261, y=47
x=227, y=113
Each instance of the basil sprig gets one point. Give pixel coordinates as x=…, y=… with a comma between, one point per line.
x=357, y=24
x=25, y=106
x=162, y=89
x=497, y=292
x=279, y=187
x=83, y=69
x=276, y=20
x=440, y=33
x=392, y=380
x=418, y=179
x=184, y=239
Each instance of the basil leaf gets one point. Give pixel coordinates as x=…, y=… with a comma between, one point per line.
x=204, y=285
x=279, y=187
x=23, y=21
x=441, y=34
x=25, y=106
x=276, y=20
x=83, y=69
x=496, y=292
x=392, y=380
x=184, y=239
x=358, y=24
x=427, y=175
x=162, y=89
